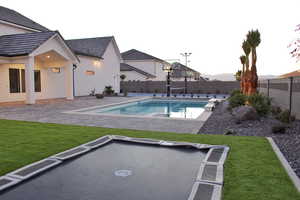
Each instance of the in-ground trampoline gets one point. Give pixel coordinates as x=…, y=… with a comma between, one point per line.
x=117, y=168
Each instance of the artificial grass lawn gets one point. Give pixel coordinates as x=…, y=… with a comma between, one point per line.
x=252, y=170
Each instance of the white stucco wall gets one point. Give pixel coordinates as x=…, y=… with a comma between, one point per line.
x=108, y=73
x=133, y=76
x=6, y=29
x=151, y=66
x=52, y=84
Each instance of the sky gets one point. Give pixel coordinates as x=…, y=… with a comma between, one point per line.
x=211, y=30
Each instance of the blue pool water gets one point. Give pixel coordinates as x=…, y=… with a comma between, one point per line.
x=158, y=108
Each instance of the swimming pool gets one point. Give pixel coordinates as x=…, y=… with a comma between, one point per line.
x=185, y=109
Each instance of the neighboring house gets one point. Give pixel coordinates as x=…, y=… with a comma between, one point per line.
x=147, y=63
x=181, y=71
x=291, y=74
x=35, y=63
x=99, y=65
x=135, y=74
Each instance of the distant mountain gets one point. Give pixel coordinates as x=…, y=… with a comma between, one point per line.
x=230, y=77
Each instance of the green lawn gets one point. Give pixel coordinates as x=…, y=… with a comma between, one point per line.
x=252, y=170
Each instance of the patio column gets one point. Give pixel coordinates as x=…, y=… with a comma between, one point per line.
x=29, y=80
x=69, y=81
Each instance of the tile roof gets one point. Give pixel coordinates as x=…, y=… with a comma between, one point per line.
x=22, y=44
x=126, y=67
x=14, y=17
x=90, y=46
x=134, y=54
x=291, y=74
x=179, y=68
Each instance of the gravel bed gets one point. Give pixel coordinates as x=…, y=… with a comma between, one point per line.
x=289, y=142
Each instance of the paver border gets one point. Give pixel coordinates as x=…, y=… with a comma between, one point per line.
x=218, y=184
x=13, y=174
x=285, y=164
x=14, y=181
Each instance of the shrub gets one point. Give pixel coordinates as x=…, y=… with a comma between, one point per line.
x=275, y=110
x=279, y=129
x=261, y=103
x=285, y=117
x=99, y=96
x=108, y=90
x=238, y=99
x=234, y=92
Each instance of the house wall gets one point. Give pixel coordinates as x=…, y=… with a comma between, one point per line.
x=52, y=84
x=6, y=29
x=133, y=76
x=151, y=66
x=107, y=73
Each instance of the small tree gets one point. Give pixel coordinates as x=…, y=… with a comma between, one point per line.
x=238, y=75
x=122, y=77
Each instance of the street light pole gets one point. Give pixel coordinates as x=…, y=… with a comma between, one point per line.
x=185, y=55
x=168, y=68
x=168, y=84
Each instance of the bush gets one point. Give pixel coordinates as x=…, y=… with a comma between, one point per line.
x=279, y=129
x=108, y=90
x=285, y=117
x=275, y=110
x=261, y=103
x=99, y=96
x=238, y=99
x=234, y=92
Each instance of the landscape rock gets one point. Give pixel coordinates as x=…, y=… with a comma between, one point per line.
x=243, y=113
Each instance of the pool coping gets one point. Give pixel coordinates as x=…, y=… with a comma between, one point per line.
x=285, y=164
x=202, y=117
x=216, y=182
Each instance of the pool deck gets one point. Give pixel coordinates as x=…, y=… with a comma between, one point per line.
x=52, y=112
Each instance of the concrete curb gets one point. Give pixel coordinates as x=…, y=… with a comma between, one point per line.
x=285, y=164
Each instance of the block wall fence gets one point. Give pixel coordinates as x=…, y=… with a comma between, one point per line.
x=284, y=93
x=195, y=87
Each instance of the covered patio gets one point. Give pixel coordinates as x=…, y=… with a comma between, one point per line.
x=35, y=66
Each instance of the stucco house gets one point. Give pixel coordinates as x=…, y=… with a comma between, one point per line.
x=135, y=74
x=181, y=71
x=30, y=56
x=99, y=65
x=144, y=62
x=37, y=63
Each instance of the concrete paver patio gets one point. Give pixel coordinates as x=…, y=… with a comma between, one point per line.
x=52, y=112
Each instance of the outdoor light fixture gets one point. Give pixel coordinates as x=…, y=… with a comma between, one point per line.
x=97, y=63
x=55, y=70
x=168, y=68
x=48, y=56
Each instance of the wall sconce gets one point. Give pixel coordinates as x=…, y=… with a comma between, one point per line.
x=97, y=63
x=55, y=70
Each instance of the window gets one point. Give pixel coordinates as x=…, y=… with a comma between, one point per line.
x=14, y=80
x=37, y=81
x=17, y=80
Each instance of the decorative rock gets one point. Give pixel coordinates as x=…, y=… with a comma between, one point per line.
x=243, y=113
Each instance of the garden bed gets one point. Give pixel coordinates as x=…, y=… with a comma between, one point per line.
x=221, y=121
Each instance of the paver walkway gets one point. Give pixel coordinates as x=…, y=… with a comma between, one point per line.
x=51, y=112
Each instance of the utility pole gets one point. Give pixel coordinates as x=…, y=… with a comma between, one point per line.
x=185, y=55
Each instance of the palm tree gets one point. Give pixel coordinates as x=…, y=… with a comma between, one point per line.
x=253, y=38
x=246, y=74
x=243, y=61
